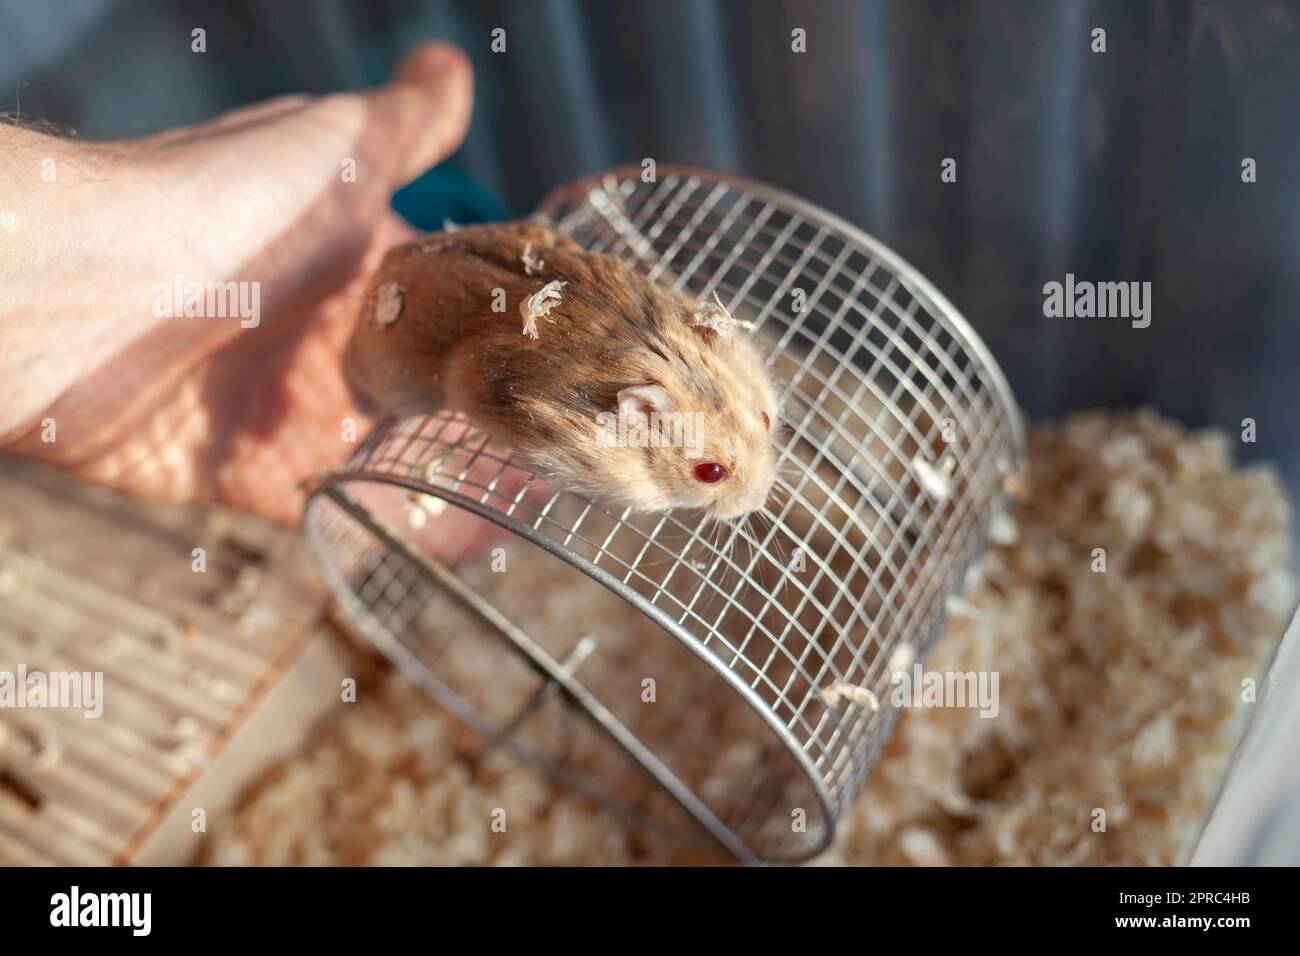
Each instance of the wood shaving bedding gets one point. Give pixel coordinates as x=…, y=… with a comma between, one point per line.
x=1120, y=692
x=843, y=690
x=421, y=507
x=900, y=660
x=935, y=480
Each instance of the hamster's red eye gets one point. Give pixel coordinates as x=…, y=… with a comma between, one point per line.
x=710, y=472
x=767, y=422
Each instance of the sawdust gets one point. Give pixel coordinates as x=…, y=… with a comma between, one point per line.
x=1120, y=692
x=843, y=690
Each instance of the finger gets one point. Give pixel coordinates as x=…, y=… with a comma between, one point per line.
x=234, y=121
x=420, y=117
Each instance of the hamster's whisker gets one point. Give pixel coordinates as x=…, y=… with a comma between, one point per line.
x=735, y=564
x=772, y=550
x=731, y=542
x=750, y=536
x=733, y=552
x=756, y=519
x=714, y=538
x=779, y=558
x=785, y=487
x=759, y=559
x=744, y=533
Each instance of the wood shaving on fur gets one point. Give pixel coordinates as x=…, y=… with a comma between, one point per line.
x=532, y=265
x=1118, y=690
x=715, y=316
x=388, y=303
x=538, y=304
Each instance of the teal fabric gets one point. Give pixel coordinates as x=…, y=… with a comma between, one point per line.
x=446, y=193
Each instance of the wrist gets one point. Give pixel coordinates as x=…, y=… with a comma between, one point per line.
x=62, y=248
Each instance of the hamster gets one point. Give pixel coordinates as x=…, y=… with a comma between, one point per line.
x=601, y=381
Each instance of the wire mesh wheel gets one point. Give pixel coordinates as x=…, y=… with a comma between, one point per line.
x=740, y=669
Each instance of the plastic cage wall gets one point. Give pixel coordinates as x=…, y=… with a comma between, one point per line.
x=734, y=674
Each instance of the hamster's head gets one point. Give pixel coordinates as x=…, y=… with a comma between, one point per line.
x=684, y=409
x=707, y=406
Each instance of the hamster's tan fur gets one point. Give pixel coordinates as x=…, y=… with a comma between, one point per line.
x=615, y=341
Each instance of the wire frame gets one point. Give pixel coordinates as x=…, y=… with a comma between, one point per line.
x=770, y=642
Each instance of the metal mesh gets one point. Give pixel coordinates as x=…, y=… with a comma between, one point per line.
x=897, y=433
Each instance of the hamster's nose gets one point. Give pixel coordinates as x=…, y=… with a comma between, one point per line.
x=759, y=498
x=742, y=505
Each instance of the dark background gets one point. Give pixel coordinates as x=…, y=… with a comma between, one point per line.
x=1122, y=166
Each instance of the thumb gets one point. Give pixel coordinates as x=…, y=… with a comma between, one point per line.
x=420, y=117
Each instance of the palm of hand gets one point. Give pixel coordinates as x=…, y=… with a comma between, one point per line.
x=201, y=408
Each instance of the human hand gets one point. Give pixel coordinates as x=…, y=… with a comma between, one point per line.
x=207, y=408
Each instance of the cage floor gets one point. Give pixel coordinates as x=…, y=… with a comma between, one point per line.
x=1119, y=691
x=92, y=582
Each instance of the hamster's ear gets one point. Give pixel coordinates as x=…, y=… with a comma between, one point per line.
x=640, y=401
